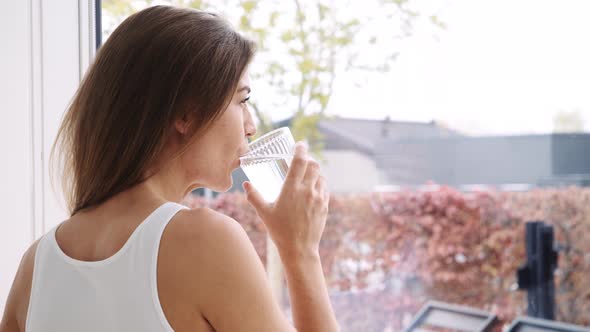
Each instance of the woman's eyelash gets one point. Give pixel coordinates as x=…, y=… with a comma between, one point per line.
x=245, y=100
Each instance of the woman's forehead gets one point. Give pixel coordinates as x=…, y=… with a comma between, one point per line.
x=245, y=79
x=244, y=84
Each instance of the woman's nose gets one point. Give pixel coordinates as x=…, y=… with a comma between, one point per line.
x=249, y=126
x=250, y=132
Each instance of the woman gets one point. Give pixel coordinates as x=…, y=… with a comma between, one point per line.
x=161, y=112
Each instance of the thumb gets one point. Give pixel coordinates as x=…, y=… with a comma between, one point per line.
x=255, y=198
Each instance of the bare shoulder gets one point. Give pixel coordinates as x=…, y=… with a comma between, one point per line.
x=201, y=237
x=221, y=272
x=192, y=223
x=199, y=233
x=15, y=311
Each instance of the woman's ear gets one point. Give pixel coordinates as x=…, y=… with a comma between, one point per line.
x=182, y=124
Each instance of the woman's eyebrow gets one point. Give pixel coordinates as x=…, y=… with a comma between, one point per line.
x=245, y=87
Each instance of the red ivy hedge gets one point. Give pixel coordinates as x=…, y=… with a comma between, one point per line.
x=385, y=254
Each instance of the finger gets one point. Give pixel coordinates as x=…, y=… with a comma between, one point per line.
x=320, y=185
x=312, y=173
x=255, y=198
x=298, y=165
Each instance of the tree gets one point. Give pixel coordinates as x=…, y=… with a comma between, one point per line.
x=303, y=46
x=316, y=41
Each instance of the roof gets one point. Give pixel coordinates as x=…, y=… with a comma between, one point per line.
x=366, y=135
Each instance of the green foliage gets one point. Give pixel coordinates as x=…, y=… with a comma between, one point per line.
x=302, y=46
x=304, y=128
x=118, y=8
x=436, y=21
x=568, y=122
x=249, y=6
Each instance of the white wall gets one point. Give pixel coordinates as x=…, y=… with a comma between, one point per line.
x=349, y=171
x=43, y=53
x=16, y=168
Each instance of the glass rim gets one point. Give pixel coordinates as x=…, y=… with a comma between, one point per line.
x=277, y=132
x=268, y=156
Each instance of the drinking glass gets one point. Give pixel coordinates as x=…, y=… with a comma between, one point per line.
x=267, y=161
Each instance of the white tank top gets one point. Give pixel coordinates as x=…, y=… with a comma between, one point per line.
x=115, y=294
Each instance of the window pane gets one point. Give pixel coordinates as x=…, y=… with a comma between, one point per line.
x=442, y=128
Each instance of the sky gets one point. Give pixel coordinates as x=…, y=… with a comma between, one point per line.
x=500, y=67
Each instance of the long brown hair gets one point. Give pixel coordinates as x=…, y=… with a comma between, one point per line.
x=160, y=64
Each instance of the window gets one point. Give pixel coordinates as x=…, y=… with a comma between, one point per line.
x=443, y=128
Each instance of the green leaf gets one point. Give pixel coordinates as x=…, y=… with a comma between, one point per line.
x=245, y=23
x=295, y=52
x=436, y=21
x=323, y=10
x=300, y=17
x=272, y=20
x=305, y=127
x=118, y=9
x=306, y=66
x=315, y=82
x=197, y=4
x=288, y=36
x=249, y=6
x=323, y=99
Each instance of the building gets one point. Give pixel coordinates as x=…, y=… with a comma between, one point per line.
x=368, y=155
x=357, y=156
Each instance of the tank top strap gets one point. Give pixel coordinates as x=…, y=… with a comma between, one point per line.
x=153, y=229
x=146, y=249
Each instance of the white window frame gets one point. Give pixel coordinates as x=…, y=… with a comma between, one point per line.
x=46, y=48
